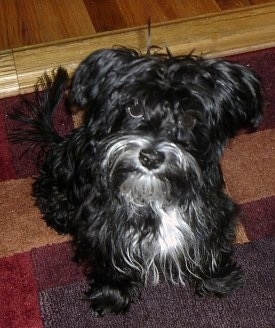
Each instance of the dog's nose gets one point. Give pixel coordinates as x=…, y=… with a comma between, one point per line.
x=151, y=158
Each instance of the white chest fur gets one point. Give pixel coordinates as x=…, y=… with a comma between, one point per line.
x=167, y=249
x=172, y=243
x=170, y=234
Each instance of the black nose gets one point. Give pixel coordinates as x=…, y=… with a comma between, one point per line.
x=151, y=158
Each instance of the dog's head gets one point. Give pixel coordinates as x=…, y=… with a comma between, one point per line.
x=160, y=122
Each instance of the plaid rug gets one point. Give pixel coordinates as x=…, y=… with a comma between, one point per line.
x=41, y=286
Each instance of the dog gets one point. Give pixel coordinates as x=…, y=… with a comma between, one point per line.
x=139, y=185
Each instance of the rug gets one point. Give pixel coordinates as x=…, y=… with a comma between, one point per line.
x=41, y=286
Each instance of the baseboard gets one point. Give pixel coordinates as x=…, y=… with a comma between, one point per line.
x=225, y=33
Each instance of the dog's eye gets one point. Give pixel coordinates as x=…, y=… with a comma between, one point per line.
x=135, y=109
x=188, y=120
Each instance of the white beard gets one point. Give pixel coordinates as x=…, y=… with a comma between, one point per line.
x=162, y=252
x=143, y=189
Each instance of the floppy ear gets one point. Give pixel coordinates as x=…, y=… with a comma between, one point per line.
x=96, y=75
x=236, y=98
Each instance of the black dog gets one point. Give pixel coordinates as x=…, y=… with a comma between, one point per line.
x=139, y=185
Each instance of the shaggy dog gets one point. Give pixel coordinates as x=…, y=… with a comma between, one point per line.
x=139, y=184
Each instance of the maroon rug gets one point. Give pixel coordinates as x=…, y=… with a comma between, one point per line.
x=41, y=287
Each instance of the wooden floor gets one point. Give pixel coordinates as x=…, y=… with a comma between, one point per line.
x=40, y=35
x=29, y=22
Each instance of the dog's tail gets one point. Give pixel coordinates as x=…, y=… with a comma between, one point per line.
x=36, y=116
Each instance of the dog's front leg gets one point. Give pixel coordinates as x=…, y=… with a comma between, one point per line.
x=220, y=275
x=112, y=291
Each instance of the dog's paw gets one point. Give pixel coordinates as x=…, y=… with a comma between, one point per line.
x=107, y=300
x=220, y=285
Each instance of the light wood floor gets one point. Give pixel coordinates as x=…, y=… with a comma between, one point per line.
x=40, y=35
x=28, y=22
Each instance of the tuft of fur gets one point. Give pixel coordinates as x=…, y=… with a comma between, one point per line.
x=139, y=185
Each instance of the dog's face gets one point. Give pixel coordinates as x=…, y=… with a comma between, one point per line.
x=160, y=123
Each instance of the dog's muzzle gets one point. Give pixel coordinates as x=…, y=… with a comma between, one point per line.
x=145, y=169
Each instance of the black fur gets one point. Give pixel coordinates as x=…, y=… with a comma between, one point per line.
x=139, y=185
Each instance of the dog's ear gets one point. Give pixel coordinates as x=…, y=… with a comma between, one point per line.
x=96, y=76
x=235, y=98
